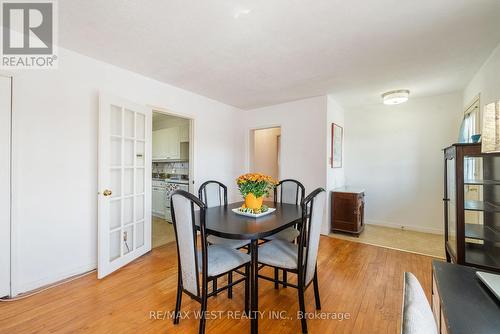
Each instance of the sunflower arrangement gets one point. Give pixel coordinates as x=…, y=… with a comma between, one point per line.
x=253, y=187
x=255, y=183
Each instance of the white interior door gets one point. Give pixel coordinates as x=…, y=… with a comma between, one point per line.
x=124, y=197
x=5, y=154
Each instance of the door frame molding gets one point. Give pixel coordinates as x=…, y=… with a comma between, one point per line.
x=192, y=127
x=249, y=142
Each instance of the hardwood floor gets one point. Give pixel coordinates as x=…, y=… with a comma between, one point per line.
x=360, y=280
x=163, y=232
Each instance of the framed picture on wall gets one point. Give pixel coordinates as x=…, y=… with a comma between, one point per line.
x=337, y=145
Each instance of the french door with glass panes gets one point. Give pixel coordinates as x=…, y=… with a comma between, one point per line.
x=124, y=198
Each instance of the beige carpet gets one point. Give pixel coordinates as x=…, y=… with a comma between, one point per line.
x=404, y=240
x=163, y=232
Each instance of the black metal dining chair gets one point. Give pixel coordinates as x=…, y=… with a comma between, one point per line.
x=214, y=193
x=211, y=262
x=291, y=192
x=299, y=258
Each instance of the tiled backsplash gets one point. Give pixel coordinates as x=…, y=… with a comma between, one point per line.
x=176, y=168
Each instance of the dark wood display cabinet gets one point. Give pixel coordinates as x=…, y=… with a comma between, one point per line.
x=348, y=207
x=472, y=206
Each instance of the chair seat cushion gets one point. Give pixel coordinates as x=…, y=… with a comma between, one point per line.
x=288, y=234
x=222, y=259
x=279, y=253
x=231, y=243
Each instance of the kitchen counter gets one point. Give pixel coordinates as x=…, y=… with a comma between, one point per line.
x=171, y=180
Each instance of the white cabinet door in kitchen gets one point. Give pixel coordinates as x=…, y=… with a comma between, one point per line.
x=5, y=153
x=166, y=143
x=184, y=133
x=155, y=201
x=158, y=201
x=173, y=141
x=156, y=145
x=160, y=144
x=124, y=229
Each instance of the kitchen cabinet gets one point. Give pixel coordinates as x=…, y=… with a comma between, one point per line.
x=166, y=143
x=158, y=202
x=159, y=144
x=184, y=133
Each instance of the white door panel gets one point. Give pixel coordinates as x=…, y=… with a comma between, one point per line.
x=5, y=149
x=124, y=183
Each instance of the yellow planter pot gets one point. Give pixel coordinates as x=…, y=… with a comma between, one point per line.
x=253, y=202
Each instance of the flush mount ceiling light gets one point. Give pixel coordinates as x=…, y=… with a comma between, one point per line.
x=396, y=96
x=241, y=12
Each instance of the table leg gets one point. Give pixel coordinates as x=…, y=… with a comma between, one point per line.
x=254, y=272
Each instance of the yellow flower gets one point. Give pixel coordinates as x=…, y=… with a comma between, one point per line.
x=255, y=177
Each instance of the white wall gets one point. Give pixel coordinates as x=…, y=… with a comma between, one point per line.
x=303, y=139
x=394, y=153
x=485, y=82
x=335, y=177
x=5, y=106
x=265, y=152
x=55, y=158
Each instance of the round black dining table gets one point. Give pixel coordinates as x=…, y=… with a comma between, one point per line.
x=223, y=222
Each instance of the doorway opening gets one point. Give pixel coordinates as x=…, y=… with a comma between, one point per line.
x=171, y=170
x=265, y=151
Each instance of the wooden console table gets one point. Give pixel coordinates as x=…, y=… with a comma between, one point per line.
x=461, y=303
x=348, y=210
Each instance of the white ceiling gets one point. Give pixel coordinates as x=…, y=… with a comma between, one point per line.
x=285, y=50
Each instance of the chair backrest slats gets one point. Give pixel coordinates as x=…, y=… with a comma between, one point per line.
x=213, y=193
x=289, y=191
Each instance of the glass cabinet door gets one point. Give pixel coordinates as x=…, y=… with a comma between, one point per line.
x=451, y=205
x=482, y=210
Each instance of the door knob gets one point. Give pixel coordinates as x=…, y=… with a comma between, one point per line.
x=107, y=192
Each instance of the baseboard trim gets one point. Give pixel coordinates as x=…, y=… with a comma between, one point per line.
x=335, y=236
x=405, y=227
x=48, y=280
